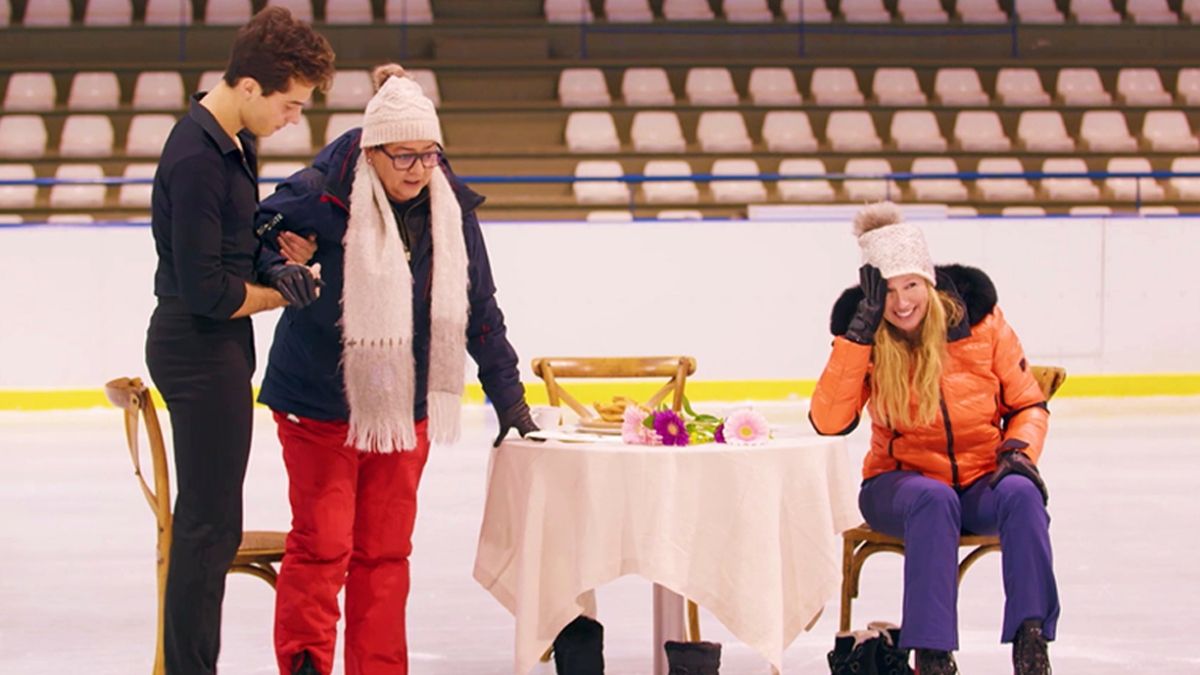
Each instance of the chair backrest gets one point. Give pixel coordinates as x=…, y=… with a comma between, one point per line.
x=132, y=396
x=1049, y=378
x=675, y=368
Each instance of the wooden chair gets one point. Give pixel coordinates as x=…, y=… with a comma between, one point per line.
x=259, y=551
x=862, y=542
x=675, y=368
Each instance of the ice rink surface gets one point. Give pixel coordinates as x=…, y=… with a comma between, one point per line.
x=77, y=560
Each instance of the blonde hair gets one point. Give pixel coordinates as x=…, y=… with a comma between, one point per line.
x=905, y=385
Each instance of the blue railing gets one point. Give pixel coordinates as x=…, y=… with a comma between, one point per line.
x=887, y=178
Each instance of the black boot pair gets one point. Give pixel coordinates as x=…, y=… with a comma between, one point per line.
x=935, y=662
x=305, y=665
x=875, y=651
x=1031, y=650
x=579, y=648
x=693, y=658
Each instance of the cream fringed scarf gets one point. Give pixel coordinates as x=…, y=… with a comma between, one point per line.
x=377, y=320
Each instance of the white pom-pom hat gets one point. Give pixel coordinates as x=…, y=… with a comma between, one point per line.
x=890, y=244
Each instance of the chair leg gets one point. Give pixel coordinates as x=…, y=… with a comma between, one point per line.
x=973, y=557
x=547, y=654
x=693, y=622
x=847, y=574
x=261, y=570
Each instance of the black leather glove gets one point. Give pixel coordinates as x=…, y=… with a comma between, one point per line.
x=294, y=282
x=515, y=416
x=1011, y=460
x=870, y=309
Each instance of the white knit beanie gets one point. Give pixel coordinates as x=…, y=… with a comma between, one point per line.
x=400, y=112
x=891, y=245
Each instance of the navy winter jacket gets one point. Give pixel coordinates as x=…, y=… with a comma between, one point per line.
x=304, y=374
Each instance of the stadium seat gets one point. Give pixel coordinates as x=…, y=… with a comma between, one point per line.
x=86, y=136
x=788, y=131
x=1186, y=187
x=864, y=11
x=1150, y=12
x=737, y=191
x=869, y=189
x=1002, y=189
x=687, y=10
x=657, y=131
x=1106, y=131
x=916, y=131
x=835, y=86
x=348, y=12
x=1132, y=189
x=22, y=136
x=293, y=139
x=47, y=13
x=168, y=12
x=578, y=87
x=674, y=191
x=1043, y=131
x=723, y=131
x=94, y=91
x=747, y=11
x=592, y=132
x=922, y=11
x=30, y=91
x=567, y=11
x=1141, y=87
x=1068, y=189
x=710, y=87
x=1081, y=86
x=897, y=86
x=1187, y=84
x=852, y=131
x=1038, y=11
x=226, y=12
x=137, y=195
x=936, y=189
x=275, y=170
x=147, y=134
x=980, y=131
x=959, y=87
x=340, y=123
x=628, y=11
x=408, y=11
x=429, y=84
x=17, y=196
x=300, y=9
x=646, y=87
x=980, y=11
x=1094, y=12
x=600, y=192
x=108, y=13
x=809, y=11
x=1169, y=131
x=65, y=196
x=1020, y=87
x=774, y=86
x=158, y=89
x=350, y=89
x=804, y=189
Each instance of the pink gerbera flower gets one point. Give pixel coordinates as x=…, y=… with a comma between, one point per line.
x=670, y=427
x=746, y=427
x=633, y=427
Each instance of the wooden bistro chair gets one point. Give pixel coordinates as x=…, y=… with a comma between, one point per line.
x=675, y=368
x=258, y=552
x=862, y=542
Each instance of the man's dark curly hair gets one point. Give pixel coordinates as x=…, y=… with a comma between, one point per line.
x=274, y=47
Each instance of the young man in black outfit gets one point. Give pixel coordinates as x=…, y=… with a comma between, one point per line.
x=212, y=275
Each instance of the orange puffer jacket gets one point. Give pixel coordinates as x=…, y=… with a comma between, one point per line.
x=988, y=393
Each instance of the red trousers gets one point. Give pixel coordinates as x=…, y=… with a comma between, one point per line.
x=352, y=525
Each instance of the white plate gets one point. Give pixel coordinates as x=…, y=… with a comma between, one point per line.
x=572, y=436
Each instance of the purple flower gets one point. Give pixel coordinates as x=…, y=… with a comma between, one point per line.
x=719, y=433
x=670, y=427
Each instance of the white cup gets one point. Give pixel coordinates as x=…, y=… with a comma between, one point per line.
x=547, y=416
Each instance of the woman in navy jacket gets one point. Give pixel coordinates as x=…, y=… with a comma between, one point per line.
x=366, y=376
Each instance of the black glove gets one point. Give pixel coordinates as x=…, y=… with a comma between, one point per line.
x=294, y=282
x=870, y=309
x=1011, y=460
x=515, y=416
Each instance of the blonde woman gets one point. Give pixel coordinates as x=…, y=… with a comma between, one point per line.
x=957, y=424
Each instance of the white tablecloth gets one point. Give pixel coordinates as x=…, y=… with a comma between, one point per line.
x=750, y=533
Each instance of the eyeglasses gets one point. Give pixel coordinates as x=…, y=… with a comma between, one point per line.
x=406, y=160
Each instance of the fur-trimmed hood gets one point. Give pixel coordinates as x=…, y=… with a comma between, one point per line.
x=970, y=285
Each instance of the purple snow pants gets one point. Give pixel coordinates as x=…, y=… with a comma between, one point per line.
x=930, y=515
